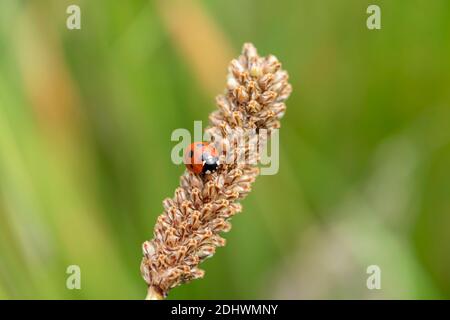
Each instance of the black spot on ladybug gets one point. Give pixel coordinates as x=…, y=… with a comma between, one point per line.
x=191, y=154
x=209, y=167
x=210, y=163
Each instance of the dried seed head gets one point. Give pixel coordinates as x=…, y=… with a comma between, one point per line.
x=241, y=94
x=188, y=230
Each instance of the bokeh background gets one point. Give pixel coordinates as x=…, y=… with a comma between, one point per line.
x=85, y=123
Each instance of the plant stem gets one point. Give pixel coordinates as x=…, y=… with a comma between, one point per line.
x=153, y=294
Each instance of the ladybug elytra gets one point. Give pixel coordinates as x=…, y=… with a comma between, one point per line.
x=201, y=157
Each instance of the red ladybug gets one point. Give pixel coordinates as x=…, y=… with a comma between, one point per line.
x=201, y=157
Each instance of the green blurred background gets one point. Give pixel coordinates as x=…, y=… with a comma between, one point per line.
x=85, y=123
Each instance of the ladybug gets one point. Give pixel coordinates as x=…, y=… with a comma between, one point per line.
x=201, y=157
